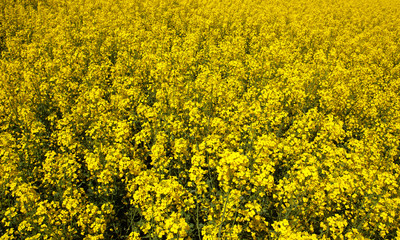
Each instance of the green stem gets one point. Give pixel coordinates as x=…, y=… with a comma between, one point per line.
x=223, y=214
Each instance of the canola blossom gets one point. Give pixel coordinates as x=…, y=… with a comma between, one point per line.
x=199, y=119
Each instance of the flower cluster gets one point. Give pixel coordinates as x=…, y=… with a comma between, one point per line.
x=199, y=119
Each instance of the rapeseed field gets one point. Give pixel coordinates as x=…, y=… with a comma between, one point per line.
x=199, y=119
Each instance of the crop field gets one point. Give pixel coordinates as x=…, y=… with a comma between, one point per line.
x=199, y=119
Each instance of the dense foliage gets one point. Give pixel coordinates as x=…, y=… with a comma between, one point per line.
x=199, y=119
